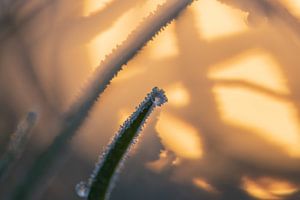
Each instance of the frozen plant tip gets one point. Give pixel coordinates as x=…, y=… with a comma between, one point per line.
x=101, y=180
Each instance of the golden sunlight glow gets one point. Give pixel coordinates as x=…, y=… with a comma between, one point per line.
x=103, y=44
x=267, y=188
x=128, y=73
x=179, y=136
x=94, y=5
x=178, y=95
x=204, y=185
x=107, y=40
x=123, y=114
x=165, y=160
x=164, y=44
x=255, y=66
x=215, y=19
x=272, y=119
x=292, y=5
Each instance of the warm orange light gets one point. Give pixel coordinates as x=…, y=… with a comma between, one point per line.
x=293, y=6
x=178, y=95
x=255, y=66
x=94, y=5
x=128, y=73
x=179, y=136
x=215, y=19
x=272, y=119
x=123, y=114
x=165, y=160
x=267, y=188
x=203, y=184
x=106, y=41
x=165, y=44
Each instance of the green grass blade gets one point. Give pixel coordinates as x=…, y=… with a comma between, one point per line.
x=102, y=77
x=102, y=178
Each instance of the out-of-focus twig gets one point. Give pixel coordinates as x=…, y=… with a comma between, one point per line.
x=17, y=143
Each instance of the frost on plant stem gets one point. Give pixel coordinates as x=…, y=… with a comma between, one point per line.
x=107, y=70
x=112, y=159
x=123, y=53
x=17, y=142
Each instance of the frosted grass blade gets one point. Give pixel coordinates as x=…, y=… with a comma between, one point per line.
x=102, y=179
x=102, y=77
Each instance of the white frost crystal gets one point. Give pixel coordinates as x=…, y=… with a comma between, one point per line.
x=82, y=189
x=157, y=98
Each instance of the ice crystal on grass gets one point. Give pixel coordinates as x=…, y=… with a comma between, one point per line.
x=112, y=159
x=82, y=189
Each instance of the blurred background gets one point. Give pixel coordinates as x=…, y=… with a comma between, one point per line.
x=230, y=69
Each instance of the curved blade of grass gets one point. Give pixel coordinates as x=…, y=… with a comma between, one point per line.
x=102, y=179
x=102, y=77
x=17, y=143
x=113, y=63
